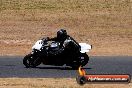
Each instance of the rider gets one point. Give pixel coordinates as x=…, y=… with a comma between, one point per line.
x=64, y=40
x=61, y=37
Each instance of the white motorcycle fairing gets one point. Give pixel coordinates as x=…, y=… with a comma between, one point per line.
x=85, y=47
x=37, y=45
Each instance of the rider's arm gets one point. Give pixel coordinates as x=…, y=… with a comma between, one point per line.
x=76, y=44
x=49, y=39
x=52, y=39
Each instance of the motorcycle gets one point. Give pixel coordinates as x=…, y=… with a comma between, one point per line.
x=47, y=52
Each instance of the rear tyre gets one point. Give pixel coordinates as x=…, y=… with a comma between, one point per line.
x=84, y=58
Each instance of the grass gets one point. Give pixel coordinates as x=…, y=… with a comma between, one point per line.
x=66, y=5
x=102, y=23
x=52, y=83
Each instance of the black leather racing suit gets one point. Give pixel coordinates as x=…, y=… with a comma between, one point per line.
x=66, y=43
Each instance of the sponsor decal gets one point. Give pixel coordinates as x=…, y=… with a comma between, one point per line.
x=101, y=78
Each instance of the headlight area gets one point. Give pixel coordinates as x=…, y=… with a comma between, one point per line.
x=35, y=51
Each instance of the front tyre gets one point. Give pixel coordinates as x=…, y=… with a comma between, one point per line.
x=30, y=61
x=27, y=61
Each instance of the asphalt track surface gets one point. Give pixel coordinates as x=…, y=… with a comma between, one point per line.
x=13, y=67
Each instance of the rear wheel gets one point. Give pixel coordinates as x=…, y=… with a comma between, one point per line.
x=84, y=58
x=30, y=61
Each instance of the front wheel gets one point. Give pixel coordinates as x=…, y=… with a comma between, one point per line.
x=30, y=61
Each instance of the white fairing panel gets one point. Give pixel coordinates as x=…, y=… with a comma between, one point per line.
x=85, y=47
x=37, y=45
